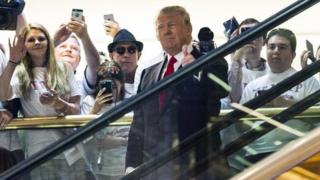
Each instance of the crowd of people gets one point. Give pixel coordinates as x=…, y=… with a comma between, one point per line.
x=39, y=79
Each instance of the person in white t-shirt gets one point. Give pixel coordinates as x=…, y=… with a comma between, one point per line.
x=106, y=151
x=246, y=66
x=281, y=46
x=67, y=49
x=45, y=88
x=246, y=63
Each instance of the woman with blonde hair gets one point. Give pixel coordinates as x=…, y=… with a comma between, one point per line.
x=45, y=88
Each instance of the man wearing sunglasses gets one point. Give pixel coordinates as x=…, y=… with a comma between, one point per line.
x=126, y=51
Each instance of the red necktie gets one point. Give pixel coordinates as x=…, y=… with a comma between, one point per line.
x=169, y=71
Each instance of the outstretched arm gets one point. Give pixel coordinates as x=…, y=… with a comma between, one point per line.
x=90, y=51
x=17, y=52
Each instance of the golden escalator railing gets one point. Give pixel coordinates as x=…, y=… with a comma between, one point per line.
x=81, y=120
x=309, y=169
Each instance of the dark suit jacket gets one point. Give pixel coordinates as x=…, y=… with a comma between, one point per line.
x=187, y=109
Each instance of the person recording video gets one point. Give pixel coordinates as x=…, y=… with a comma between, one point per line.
x=106, y=151
x=109, y=89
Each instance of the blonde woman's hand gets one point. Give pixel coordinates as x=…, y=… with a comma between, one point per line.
x=17, y=49
x=49, y=98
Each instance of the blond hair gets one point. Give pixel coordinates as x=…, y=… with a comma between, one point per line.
x=56, y=74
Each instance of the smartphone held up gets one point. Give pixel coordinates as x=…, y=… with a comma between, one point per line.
x=108, y=17
x=310, y=49
x=107, y=84
x=77, y=14
x=230, y=25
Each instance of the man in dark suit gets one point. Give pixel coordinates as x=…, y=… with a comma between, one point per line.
x=183, y=109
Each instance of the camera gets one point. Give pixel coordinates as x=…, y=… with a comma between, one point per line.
x=107, y=84
x=206, y=42
x=9, y=9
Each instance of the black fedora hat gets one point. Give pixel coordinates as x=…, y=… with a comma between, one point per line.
x=124, y=36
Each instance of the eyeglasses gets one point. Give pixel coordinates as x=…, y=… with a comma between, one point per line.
x=122, y=50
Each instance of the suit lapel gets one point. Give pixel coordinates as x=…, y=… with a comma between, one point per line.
x=161, y=67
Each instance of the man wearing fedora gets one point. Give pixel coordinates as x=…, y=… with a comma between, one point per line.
x=126, y=51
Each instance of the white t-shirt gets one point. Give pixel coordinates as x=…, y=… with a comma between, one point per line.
x=31, y=107
x=248, y=75
x=83, y=85
x=276, y=138
x=129, y=90
x=265, y=82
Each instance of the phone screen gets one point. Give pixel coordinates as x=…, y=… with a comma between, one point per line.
x=230, y=26
x=107, y=84
x=310, y=48
x=109, y=17
x=77, y=14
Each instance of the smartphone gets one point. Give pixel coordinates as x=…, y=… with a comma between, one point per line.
x=107, y=84
x=230, y=25
x=77, y=14
x=310, y=48
x=109, y=17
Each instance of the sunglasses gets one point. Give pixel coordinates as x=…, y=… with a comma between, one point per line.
x=122, y=50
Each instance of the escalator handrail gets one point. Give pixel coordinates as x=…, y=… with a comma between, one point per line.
x=289, y=156
x=75, y=121
x=257, y=102
x=252, y=134
x=126, y=106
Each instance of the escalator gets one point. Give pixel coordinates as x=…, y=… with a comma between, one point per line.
x=232, y=158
